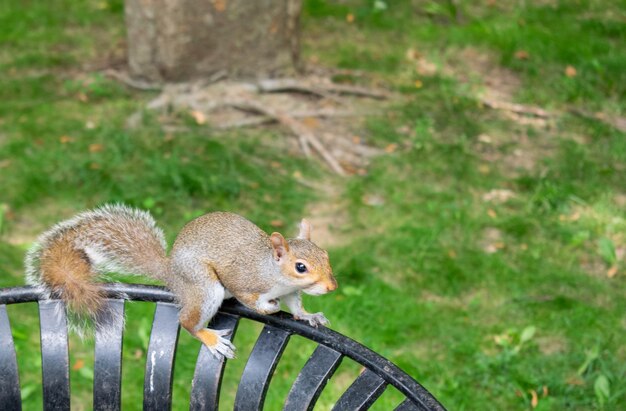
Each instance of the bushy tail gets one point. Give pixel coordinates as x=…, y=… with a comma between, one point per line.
x=68, y=260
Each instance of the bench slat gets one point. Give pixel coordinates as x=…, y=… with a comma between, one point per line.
x=259, y=368
x=157, y=386
x=207, y=378
x=108, y=361
x=54, y=355
x=10, y=381
x=312, y=379
x=362, y=393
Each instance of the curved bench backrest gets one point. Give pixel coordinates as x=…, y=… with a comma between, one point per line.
x=332, y=347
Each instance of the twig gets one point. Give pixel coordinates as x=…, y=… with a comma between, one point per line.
x=292, y=85
x=305, y=137
x=251, y=122
x=321, y=89
x=517, y=108
x=619, y=123
x=355, y=90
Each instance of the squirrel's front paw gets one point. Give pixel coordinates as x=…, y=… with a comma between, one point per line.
x=313, y=319
x=269, y=306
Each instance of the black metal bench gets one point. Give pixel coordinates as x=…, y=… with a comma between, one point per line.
x=332, y=347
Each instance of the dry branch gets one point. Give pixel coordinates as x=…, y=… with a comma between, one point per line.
x=619, y=123
x=319, y=89
x=305, y=137
x=516, y=108
x=327, y=113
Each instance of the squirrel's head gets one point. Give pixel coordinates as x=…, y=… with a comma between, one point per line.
x=303, y=262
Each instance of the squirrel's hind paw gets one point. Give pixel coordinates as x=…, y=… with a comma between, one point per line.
x=216, y=342
x=314, y=320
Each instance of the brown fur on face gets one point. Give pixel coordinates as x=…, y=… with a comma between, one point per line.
x=314, y=258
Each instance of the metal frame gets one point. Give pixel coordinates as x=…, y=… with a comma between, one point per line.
x=378, y=373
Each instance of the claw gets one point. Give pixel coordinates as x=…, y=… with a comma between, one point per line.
x=314, y=320
x=216, y=342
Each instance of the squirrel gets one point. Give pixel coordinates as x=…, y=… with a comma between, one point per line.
x=216, y=256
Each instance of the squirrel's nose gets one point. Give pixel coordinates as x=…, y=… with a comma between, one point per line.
x=332, y=285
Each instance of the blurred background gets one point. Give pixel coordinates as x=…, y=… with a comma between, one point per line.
x=464, y=162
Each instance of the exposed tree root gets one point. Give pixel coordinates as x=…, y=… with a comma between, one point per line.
x=225, y=105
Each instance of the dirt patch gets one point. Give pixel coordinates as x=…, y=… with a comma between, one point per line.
x=513, y=151
x=485, y=77
x=492, y=240
x=551, y=345
x=329, y=217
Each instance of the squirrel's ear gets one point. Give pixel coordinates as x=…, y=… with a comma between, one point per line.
x=305, y=230
x=281, y=248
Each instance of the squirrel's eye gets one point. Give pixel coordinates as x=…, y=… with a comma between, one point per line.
x=301, y=268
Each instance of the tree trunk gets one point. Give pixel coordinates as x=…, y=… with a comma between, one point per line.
x=181, y=40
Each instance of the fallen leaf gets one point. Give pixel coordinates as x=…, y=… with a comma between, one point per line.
x=391, y=148
x=78, y=365
x=612, y=272
x=96, y=148
x=198, y=116
x=220, y=5
x=534, y=399
x=490, y=249
x=485, y=138
x=498, y=196
x=311, y=122
x=412, y=54
x=522, y=55
x=491, y=213
x=373, y=200
x=570, y=71
x=575, y=380
x=277, y=223
x=65, y=139
x=406, y=130
x=349, y=17
x=425, y=67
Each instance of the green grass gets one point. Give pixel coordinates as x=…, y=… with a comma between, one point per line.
x=483, y=302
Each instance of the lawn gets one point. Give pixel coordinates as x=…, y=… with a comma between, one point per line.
x=483, y=251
